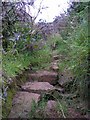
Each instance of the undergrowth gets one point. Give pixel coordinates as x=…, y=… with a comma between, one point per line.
x=14, y=64
x=75, y=51
x=39, y=110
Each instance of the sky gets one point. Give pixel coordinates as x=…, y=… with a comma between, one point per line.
x=55, y=8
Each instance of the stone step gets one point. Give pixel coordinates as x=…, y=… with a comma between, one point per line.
x=55, y=68
x=56, y=57
x=22, y=104
x=38, y=87
x=54, y=63
x=44, y=76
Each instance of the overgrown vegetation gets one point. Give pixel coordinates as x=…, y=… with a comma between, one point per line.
x=38, y=109
x=77, y=53
x=14, y=64
x=23, y=49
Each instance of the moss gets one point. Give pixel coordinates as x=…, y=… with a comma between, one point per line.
x=18, y=80
x=7, y=105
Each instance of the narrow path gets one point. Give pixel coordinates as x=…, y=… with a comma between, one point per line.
x=40, y=83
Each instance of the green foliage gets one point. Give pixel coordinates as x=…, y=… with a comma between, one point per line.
x=41, y=58
x=77, y=14
x=78, y=56
x=54, y=39
x=62, y=107
x=33, y=109
x=76, y=52
x=13, y=64
x=37, y=109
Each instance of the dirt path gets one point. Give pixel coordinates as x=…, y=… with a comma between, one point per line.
x=39, y=96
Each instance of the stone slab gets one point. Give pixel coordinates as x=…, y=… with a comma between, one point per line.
x=38, y=87
x=44, y=76
x=21, y=105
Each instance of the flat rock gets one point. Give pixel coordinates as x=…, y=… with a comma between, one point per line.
x=21, y=105
x=38, y=87
x=44, y=76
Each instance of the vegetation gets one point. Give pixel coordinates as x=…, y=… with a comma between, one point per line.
x=38, y=109
x=23, y=49
x=77, y=53
x=14, y=64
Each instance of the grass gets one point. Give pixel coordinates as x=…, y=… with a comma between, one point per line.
x=41, y=59
x=37, y=109
x=13, y=64
x=75, y=52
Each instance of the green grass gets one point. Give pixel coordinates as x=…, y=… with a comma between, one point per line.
x=75, y=50
x=13, y=64
x=42, y=58
x=37, y=109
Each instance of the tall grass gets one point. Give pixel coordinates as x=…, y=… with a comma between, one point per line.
x=75, y=50
x=13, y=64
x=78, y=56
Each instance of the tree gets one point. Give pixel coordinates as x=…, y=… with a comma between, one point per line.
x=15, y=17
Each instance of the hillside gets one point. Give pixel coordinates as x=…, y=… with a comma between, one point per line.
x=45, y=65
